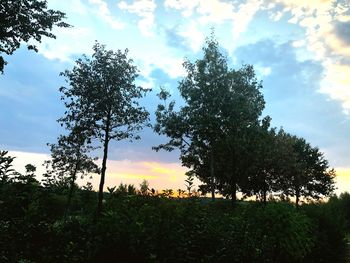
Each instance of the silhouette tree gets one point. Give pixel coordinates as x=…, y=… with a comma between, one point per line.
x=220, y=106
x=102, y=90
x=189, y=183
x=196, y=127
x=25, y=20
x=29, y=176
x=5, y=166
x=144, y=187
x=69, y=158
x=308, y=175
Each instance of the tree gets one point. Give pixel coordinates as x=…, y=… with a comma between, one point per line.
x=5, y=166
x=102, y=90
x=25, y=20
x=196, y=127
x=264, y=159
x=189, y=183
x=144, y=187
x=308, y=175
x=27, y=178
x=69, y=158
x=220, y=106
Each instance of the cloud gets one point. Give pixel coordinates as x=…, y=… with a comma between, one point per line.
x=342, y=180
x=145, y=10
x=105, y=14
x=29, y=93
x=160, y=175
x=76, y=6
x=326, y=24
x=242, y=17
x=174, y=39
x=185, y=6
x=71, y=41
x=293, y=100
x=342, y=30
x=336, y=83
x=193, y=35
x=24, y=158
x=216, y=12
x=188, y=37
x=164, y=59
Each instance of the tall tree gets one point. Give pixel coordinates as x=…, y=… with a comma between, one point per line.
x=25, y=20
x=308, y=175
x=70, y=158
x=103, y=90
x=268, y=161
x=220, y=105
x=242, y=105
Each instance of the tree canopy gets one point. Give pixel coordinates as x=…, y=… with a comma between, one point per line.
x=227, y=144
x=23, y=21
x=103, y=96
x=220, y=105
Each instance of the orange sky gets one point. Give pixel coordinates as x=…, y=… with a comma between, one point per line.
x=159, y=175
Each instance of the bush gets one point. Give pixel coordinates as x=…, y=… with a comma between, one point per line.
x=157, y=229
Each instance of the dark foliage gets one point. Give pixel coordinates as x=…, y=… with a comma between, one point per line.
x=25, y=20
x=148, y=228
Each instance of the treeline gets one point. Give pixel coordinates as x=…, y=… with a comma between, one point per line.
x=223, y=138
x=141, y=225
x=228, y=145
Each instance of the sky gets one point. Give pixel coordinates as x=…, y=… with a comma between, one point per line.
x=299, y=49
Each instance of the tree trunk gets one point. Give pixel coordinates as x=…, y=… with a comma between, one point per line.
x=212, y=176
x=104, y=167
x=234, y=194
x=264, y=191
x=233, y=189
x=233, y=179
x=297, y=190
x=71, y=189
x=297, y=196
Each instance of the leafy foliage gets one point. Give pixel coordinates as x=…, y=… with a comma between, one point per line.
x=103, y=97
x=221, y=105
x=25, y=20
x=227, y=145
x=5, y=166
x=164, y=230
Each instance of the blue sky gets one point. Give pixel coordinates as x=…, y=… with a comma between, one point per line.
x=300, y=50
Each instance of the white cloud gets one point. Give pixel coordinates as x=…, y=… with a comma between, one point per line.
x=336, y=83
x=105, y=14
x=218, y=12
x=320, y=18
x=186, y=6
x=75, y=6
x=170, y=64
x=262, y=71
x=194, y=36
x=145, y=10
x=70, y=41
x=215, y=11
x=148, y=83
x=243, y=16
x=24, y=158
